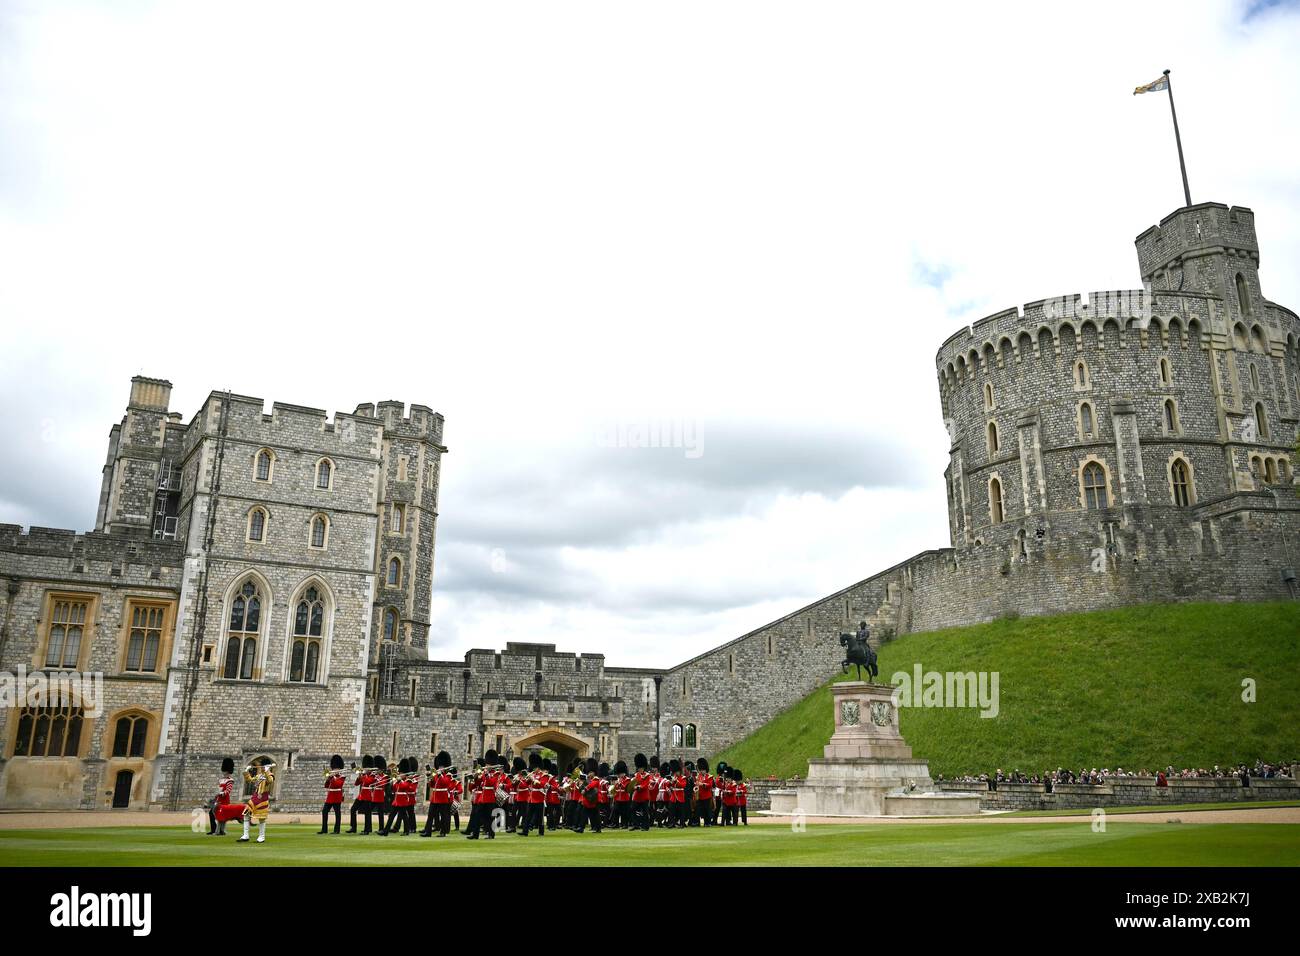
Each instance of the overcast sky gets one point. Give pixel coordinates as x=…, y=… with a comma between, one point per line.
x=747, y=225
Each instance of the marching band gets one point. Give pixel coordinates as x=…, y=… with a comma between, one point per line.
x=520, y=797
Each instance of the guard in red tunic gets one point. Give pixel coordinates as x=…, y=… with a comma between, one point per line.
x=622, y=792
x=378, y=786
x=440, y=793
x=589, y=795
x=486, y=782
x=703, y=792
x=361, y=802
x=727, y=784
x=517, y=807
x=405, y=787
x=221, y=810
x=334, y=782
x=677, y=802
x=553, y=789
x=641, y=793
x=537, y=780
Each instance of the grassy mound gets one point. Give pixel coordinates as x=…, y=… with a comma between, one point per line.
x=1140, y=687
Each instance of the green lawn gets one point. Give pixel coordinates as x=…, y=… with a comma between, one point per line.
x=1139, y=687
x=1027, y=844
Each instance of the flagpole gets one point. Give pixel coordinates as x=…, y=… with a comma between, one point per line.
x=1169, y=88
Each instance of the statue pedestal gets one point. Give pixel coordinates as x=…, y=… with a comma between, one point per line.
x=867, y=768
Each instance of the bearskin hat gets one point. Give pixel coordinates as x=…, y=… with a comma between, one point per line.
x=664, y=770
x=639, y=761
x=620, y=766
x=336, y=762
x=591, y=766
x=367, y=761
x=701, y=764
x=654, y=761
x=519, y=765
x=490, y=758
x=443, y=759
x=534, y=760
x=228, y=765
x=722, y=767
x=380, y=763
x=478, y=761
x=674, y=766
x=604, y=770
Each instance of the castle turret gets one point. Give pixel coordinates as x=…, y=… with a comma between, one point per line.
x=1206, y=248
x=136, y=469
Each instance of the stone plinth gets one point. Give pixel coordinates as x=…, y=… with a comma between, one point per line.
x=866, y=724
x=868, y=769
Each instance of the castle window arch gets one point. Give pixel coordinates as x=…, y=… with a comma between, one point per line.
x=1171, y=423
x=264, y=465
x=996, y=512
x=988, y=395
x=1022, y=545
x=1046, y=348
x=1239, y=340
x=1094, y=485
x=1270, y=471
x=320, y=532
x=394, y=576
x=1194, y=334
x=1261, y=420
x=324, y=474
x=309, y=625
x=130, y=735
x=1166, y=376
x=1182, y=490
x=690, y=737
x=245, y=624
x=1243, y=295
x=1082, y=379
x=993, y=438
x=390, y=624
x=49, y=731
x=1254, y=376
x=1257, y=467
x=677, y=735
x=257, y=522
x=1087, y=421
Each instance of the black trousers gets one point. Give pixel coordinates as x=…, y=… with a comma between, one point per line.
x=534, y=819
x=480, y=819
x=357, y=805
x=325, y=816
x=592, y=817
x=439, y=819
x=704, y=807
x=744, y=817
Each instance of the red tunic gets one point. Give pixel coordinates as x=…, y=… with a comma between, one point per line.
x=642, y=792
x=537, y=787
x=378, y=781
x=441, y=790
x=622, y=790
x=679, y=788
x=703, y=786
x=334, y=787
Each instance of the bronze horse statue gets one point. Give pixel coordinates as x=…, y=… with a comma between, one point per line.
x=860, y=654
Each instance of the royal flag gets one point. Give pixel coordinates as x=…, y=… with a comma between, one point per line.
x=1154, y=87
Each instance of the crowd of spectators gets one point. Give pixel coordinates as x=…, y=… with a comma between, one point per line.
x=1098, y=776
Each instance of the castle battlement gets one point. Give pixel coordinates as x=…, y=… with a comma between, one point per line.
x=1197, y=230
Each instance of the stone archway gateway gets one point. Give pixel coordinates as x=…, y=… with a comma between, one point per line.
x=567, y=746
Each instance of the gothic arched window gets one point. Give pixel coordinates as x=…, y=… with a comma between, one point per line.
x=242, y=633
x=319, y=531
x=262, y=465
x=257, y=524
x=1243, y=295
x=324, y=473
x=308, y=624
x=394, y=572
x=129, y=735
x=1095, y=496
x=995, y=501
x=1181, y=481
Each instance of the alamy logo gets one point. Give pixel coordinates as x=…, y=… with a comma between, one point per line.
x=55, y=689
x=683, y=433
x=75, y=909
x=923, y=688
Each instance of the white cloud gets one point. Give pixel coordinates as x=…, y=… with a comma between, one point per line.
x=538, y=218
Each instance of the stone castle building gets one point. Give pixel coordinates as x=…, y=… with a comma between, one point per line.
x=259, y=585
